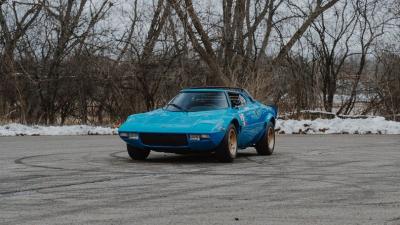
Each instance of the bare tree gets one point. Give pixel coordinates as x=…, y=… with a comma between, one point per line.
x=67, y=62
x=332, y=47
x=12, y=30
x=73, y=27
x=238, y=32
x=369, y=30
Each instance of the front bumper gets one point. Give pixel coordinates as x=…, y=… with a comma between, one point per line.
x=202, y=145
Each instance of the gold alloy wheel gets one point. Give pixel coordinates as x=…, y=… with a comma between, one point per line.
x=271, y=138
x=232, y=142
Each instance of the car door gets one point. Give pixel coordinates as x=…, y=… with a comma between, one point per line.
x=250, y=116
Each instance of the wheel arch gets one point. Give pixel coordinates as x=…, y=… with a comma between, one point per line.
x=235, y=122
x=270, y=119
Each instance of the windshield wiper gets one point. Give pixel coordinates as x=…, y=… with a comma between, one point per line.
x=177, y=106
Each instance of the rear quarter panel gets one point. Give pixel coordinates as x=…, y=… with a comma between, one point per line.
x=269, y=114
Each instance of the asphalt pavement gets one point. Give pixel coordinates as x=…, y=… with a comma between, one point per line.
x=310, y=179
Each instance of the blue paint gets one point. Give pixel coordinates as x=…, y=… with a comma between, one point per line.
x=252, y=118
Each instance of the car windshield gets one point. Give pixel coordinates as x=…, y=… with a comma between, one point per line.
x=198, y=101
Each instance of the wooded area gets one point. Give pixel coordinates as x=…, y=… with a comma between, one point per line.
x=75, y=61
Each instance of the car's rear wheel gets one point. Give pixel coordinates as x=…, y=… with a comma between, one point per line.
x=266, y=145
x=137, y=153
x=227, y=150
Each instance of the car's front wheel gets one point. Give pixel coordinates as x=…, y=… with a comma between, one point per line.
x=227, y=150
x=137, y=153
x=266, y=145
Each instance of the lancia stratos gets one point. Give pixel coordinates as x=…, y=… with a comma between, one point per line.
x=221, y=120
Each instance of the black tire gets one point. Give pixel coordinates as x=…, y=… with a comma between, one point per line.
x=226, y=151
x=137, y=153
x=265, y=146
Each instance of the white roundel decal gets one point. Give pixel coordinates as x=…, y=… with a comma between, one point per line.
x=242, y=119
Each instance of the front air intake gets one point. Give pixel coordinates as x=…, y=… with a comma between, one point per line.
x=162, y=139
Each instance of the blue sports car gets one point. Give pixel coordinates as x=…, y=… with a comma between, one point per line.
x=215, y=119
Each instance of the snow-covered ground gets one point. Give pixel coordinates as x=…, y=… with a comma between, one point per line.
x=376, y=125
x=15, y=129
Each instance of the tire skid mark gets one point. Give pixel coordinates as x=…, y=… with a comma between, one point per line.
x=344, y=179
x=57, y=186
x=394, y=220
x=23, y=178
x=382, y=204
x=243, y=165
x=274, y=176
x=204, y=171
x=21, y=161
x=115, y=155
x=202, y=209
x=165, y=194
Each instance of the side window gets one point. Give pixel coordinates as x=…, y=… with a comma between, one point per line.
x=237, y=99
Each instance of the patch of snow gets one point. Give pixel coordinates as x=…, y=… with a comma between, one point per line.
x=375, y=125
x=317, y=111
x=15, y=129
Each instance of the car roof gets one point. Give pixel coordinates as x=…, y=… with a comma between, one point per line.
x=202, y=90
x=219, y=88
x=214, y=88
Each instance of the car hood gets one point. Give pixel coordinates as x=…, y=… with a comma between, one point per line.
x=163, y=121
